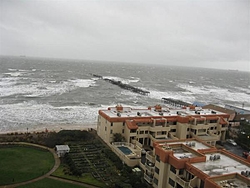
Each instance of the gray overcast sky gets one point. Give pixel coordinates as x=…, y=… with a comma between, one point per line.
x=208, y=33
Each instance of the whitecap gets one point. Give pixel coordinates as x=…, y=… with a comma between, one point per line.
x=36, y=88
x=83, y=82
x=14, y=74
x=123, y=80
x=175, y=95
x=31, y=114
x=219, y=93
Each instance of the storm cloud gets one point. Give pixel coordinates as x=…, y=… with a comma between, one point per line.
x=212, y=34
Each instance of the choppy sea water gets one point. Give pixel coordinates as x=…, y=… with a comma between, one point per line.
x=38, y=93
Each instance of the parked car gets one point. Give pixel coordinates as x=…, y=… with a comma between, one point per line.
x=231, y=141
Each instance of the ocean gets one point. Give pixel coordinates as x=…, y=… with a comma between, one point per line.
x=43, y=93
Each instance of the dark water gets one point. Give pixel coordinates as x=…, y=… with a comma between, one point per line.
x=36, y=92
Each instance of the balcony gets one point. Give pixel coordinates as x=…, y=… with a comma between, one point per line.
x=149, y=166
x=159, y=128
x=133, y=134
x=181, y=181
x=148, y=178
x=150, y=156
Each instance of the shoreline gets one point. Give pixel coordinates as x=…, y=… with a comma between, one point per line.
x=53, y=128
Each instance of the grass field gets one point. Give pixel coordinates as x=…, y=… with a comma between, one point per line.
x=20, y=163
x=50, y=183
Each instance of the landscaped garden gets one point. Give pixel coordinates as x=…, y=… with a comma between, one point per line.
x=90, y=161
x=22, y=163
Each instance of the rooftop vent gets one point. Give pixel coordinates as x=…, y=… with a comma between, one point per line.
x=118, y=114
x=166, y=147
x=197, y=112
x=245, y=173
x=213, y=112
x=138, y=114
x=190, y=144
x=161, y=113
x=214, y=157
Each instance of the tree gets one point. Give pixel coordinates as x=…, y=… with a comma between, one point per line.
x=118, y=137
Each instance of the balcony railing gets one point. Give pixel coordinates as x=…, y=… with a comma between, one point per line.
x=150, y=156
x=148, y=178
x=150, y=167
x=181, y=181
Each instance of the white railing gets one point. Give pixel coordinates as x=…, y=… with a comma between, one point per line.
x=150, y=167
x=181, y=181
x=148, y=179
x=150, y=156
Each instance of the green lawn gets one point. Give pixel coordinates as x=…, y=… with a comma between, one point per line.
x=50, y=183
x=20, y=163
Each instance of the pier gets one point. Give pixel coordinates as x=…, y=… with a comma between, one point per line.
x=174, y=102
x=123, y=86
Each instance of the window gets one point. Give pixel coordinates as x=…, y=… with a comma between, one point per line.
x=111, y=131
x=202, y=184
x=105, y=128
x=200, y=122
x=155, y=181
x=181, y=171
x=141, y=132
x=111, y=124
x=141, y=140
x=172, y=169
x=123, y=124
x=158, y=158
x=146, y=132
x=213, y=121
x=122, y=130
x=188, y=129
x=173, y=130
x=171, y=182
x=157, y=170
x=178, y=185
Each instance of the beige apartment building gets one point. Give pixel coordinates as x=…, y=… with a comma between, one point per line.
x=191, y=163
x=156, y=123
x=174, y=147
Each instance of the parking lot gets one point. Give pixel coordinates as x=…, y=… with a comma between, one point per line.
x=234, y=149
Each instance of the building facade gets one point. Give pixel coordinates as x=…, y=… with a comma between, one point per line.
x=192, y=163
x=177, y=144
x=156, y=123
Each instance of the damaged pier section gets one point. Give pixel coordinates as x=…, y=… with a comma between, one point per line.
x=175, y=102
x=123, y=86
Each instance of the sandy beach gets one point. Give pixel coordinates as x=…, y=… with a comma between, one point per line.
x=55, y=128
